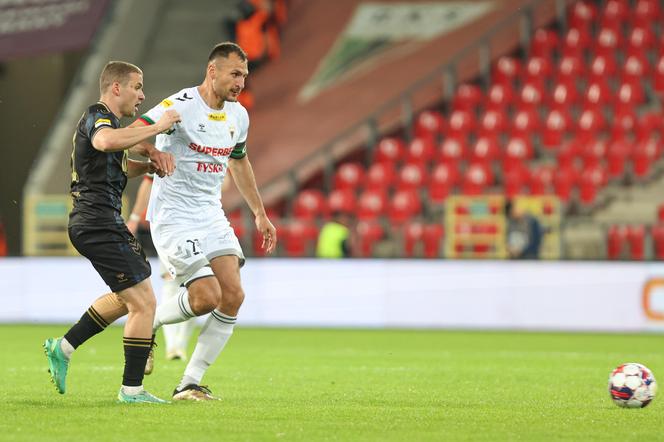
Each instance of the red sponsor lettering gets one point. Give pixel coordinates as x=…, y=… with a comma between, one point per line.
x=212, y=151
x=209, y=167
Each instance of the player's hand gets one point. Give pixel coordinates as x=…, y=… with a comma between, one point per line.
x=167, y=120
x=266, y=228
x=161, y=163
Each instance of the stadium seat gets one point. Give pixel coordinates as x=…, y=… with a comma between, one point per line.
x=658, y=75
x=492, y=123
x=544, y=43
x=299, y=238
x=640, y=39
x=515, y=180
x=591, y=181
x=349, y=176
x=412, y=235
x=432, y=236
x=404, y=205
x=541, y=180
x=420, y=151
x=506, y=70
x=643, y=156
x=601, y=67
x=525, y=122
x=636, y=237
x=575, y=42
x=564, y=181
x=634, y=69
x=429, y=124
x=646, y=12
x=444, y=178
x=411, y=177
x=369, y=232
x=597, y=95
x=607, y=42
x=616, y=241
x=563, y=96
x=556, y=126
x=460, y=124
x=309, y=204
x=467, y=97
x=453, y=150
x=629, y=95
x=485, y=150
x=590, y=122
x=616, y=157
x=390, y=150
x=371, y=205
x=570, y=68
x=593, y=151
x=581, y=14
x=625, y=122
x=380, y=176
x=660, y=213
x=658, y=241
x=568, y=152
x=341, y=201
x=531, y=96
x=518, y=150
x=499, y=97
x=476, y=179
x=537, y=71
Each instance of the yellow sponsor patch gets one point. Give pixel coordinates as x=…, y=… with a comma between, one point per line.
x=167, y=103
x=217, y=117
x=102, y=122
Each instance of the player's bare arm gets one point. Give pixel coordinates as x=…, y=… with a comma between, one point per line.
x=243, y=175
x=163, y=162
x=138, y=168
x=113, y=140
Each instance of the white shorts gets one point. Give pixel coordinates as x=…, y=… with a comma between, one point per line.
x=187, y=250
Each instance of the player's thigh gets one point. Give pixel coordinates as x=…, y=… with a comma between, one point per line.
x=140, y=296
x=227, y=271
x=114, y=252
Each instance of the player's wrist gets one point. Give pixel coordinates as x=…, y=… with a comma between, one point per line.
x=134, y=217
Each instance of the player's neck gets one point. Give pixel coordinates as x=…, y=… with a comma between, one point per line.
x=210, y=98
x=113, y=107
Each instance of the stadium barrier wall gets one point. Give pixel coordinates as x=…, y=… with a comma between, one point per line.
x=577, y=296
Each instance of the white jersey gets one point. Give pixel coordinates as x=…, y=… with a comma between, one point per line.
x=202, y=144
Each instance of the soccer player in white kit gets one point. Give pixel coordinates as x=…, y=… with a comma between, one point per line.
x=189, y=228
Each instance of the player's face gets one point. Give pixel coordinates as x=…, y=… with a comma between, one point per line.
x=228, y=77
x=131, y=95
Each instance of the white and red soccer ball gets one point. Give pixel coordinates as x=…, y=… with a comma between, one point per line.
x=632, y=385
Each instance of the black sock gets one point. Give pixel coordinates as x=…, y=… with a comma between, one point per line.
x=89, y=325
x=136, y=352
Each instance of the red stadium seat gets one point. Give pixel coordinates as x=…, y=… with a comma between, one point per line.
x=544, y=43
x=432, y=236
x=601, y=67
x=597, y=95
x=644, y=155
x=525, y=123
x=646, y=12
x=499, y=97
x=404, y=205
x=658, y=75
x=531, y=96
x=593, y=151
x=607, y=42
x=349, y=176
x=299, y=238
x=556, y=126
x=476, y=179
x=630, y=95
x=616, y=157
x=444, y=178
x=537, y=70
x=634, y=69
x=485, y=150
x=569, y=152
x=518, y=150
x=420, y=151
x=390, y=150
x=380, y=176
x=467, y=97
x=411, y=177
x=616, y=241
x=371, y=205
x=369, y=232
x=591, y=121
x=564, y=180
x=639, y=40
x=625, y=122
x=506, y=70
x=492, y=123
x=575, y=42
x=660, y=213
x=453, y=150
x=541, y=180
x=582, y=14
x=309, y=204
x=636, y=237
x=613, y=14
x=563, y=96
x=412, y=235
x=515, y=181
x=570, y=68
x=341, y=201
x=460, y=124
x=429, y=124
x=658, y=241
x=591, y=181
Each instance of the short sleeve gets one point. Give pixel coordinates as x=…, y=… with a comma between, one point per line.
x=240, y=149
x=154, y=114
x=98, y=120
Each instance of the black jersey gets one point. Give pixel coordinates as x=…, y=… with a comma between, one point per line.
x=97, y=178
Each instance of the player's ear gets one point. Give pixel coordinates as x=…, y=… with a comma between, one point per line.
x=115, y=88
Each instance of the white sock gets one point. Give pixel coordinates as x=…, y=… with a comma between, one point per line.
x=132, y=390
x=168, y=292
x=176, y=309
x=214, y=335
x=66, y=348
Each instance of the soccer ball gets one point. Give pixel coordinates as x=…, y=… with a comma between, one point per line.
x=632, y=385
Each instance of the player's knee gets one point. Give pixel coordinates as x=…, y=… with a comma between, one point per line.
x=233, y=298
x=204, y=302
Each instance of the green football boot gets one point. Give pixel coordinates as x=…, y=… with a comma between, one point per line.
x=57, y=363
x=140, y=398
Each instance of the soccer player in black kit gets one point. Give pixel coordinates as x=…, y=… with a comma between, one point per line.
x=100, y=169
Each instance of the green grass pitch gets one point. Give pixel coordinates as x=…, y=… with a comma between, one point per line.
x=345, y=385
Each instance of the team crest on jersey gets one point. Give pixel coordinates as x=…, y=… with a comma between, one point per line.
x=102, y=122
x=167, y=103
x=231, y=129
x=217, y=117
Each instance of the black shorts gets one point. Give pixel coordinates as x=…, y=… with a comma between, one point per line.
x=114, y=252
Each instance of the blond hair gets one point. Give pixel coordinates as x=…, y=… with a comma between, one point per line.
x=116, y=71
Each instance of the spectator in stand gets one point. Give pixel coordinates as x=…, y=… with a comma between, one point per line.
x=335, y=238
x=524, y=233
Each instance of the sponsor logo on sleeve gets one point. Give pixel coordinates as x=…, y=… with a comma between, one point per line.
x=167, y=103
x=102, y=122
